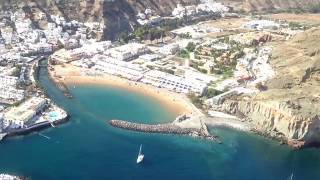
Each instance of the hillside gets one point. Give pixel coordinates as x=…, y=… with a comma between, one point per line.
x=117, y=15
x=290, y=107
x=261, y=5
x=274, y=5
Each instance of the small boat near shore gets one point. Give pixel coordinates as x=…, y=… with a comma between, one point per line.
x=140, y=155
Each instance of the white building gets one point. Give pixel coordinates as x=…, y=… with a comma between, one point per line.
x=11, y=94
x=207, y=6
x=169, y=49
x=115, y=67
x=127, y=52
x=8, y=91
x=8, y=80
x=261, y=24
x=18, y=117
x=173, y=83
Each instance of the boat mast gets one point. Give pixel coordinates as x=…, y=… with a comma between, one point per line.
x=140, y=149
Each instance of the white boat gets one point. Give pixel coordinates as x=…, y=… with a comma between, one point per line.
x=291, y=177
x=140, y=156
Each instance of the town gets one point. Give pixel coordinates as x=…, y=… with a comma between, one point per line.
x=205, y=59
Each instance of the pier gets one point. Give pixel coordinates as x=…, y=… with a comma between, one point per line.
x=168, y=128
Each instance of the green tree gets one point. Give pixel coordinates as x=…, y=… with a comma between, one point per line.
x=183, y=53
x=191, y=47
x=212, y=93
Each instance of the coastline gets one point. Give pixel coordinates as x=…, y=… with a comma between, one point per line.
x=179, y=104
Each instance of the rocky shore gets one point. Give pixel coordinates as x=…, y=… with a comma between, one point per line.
x=275, y=120
x=169, y=128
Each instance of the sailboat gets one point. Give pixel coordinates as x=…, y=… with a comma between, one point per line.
x=140, y=156
x=291, y=177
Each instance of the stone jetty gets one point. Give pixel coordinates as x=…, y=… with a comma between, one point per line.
x=168, y=128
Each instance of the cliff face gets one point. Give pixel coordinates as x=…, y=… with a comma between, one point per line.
x=290, y=108
x=276, y=119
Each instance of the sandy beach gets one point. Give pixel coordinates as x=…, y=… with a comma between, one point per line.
x=176, y=103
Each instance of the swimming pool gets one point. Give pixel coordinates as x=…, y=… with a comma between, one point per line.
x=54, y=115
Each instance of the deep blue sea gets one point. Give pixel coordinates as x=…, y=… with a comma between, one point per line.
x=88, y=148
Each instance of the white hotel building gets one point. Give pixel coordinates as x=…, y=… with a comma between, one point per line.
x=173, y=83
x=115, y=67
x=127, y=52
x=18, y=117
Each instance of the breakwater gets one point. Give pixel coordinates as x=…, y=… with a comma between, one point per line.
x=168, y=128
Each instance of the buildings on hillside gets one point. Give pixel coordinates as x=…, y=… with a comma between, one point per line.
x=8, y=90
x=255, y=67
x=207, y=6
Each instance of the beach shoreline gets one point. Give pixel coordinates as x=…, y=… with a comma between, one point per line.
x=179, y=104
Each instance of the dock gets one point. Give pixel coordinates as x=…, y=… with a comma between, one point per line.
x=168, y=128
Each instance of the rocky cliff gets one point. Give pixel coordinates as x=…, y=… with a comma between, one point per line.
x=290, y=108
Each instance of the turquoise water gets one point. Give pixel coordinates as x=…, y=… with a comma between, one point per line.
x=87, y=148
x=53, y=114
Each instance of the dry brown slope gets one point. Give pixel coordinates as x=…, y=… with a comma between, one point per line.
x=260, y=5
x=290, y=108
x=268, y=5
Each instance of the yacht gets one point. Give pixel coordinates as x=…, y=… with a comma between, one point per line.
x=140, y=156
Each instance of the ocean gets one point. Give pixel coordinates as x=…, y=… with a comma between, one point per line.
x=88, y=148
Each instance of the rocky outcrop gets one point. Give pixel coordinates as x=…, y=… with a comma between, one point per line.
x=278, y=120
x=290, y=107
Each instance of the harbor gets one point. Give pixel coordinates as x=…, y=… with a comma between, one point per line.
x=87, y=140
x=159, y=90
